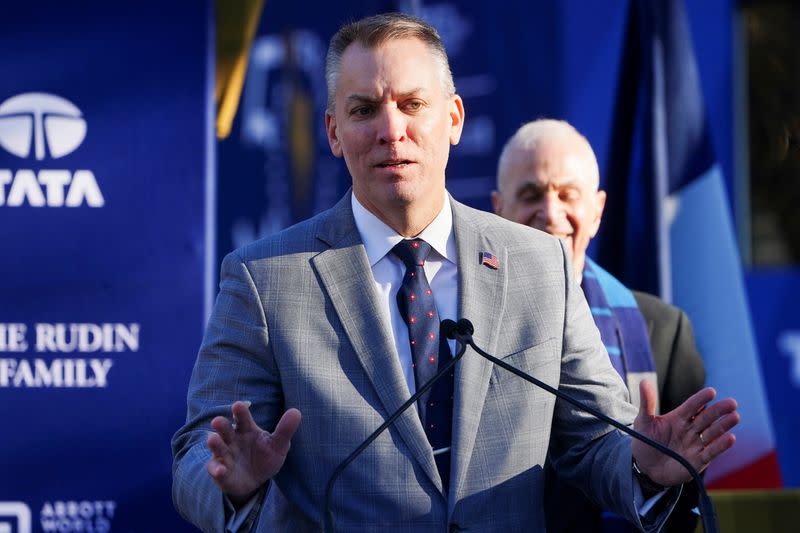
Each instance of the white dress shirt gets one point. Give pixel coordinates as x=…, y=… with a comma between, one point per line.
x=388, y=272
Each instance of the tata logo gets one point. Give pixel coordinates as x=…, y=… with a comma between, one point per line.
x=42, y=126
x=31, y=119
x=15, y=517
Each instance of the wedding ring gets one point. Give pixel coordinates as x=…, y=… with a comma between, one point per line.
x=702, y=440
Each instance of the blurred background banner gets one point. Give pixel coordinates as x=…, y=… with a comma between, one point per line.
x=510, y=65
x=773, y=297
x=105, y=129
x=276, y=168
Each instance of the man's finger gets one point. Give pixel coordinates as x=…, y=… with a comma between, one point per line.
x=647, y=399
x=242, y=417
x=217, y=470
x=284, y=431
x=714, y=412
x=223, y=426
x=693, y=406
x=217, y=446
x=718, y=446
x=720, y=426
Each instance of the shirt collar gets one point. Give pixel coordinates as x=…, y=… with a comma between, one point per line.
x=379, y=239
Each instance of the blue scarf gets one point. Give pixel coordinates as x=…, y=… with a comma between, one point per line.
x=622, y=327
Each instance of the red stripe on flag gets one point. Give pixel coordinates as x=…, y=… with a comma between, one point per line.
x=764, y=473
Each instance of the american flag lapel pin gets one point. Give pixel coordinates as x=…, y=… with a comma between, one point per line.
x=489, y=260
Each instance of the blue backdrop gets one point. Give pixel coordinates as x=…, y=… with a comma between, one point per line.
x=104, y=128
x=511, y=65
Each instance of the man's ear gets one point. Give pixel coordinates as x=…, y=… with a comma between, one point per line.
x=333, y=139
x=599, y=205
x=497, y=202
x=456, y=119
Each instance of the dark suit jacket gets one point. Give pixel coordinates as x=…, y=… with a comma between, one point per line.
x=680, y=373
x=679, y=367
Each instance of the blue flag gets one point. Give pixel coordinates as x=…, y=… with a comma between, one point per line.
x=668, y=229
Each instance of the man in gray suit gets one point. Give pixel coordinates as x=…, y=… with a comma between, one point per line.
x=309, y=320
x=548, y=179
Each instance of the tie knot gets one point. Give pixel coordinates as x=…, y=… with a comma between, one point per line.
x=412, y=252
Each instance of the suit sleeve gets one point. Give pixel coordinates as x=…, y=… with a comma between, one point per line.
x=234, y=363
x=584, y=450
x=680, y=374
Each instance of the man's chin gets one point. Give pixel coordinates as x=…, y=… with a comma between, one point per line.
x=408, y=192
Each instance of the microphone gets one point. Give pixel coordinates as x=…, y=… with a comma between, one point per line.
x=447, y=330
x=462, y=332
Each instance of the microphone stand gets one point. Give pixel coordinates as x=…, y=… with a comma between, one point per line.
x=447, y=328
x=463, y=333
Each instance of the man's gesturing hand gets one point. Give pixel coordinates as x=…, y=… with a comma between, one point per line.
x=697, y=433
x=246, y=456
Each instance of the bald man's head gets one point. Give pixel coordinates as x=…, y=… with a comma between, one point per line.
x=548, y=178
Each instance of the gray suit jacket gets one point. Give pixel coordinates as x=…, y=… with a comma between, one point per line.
x=680, y=373
x=297, y=323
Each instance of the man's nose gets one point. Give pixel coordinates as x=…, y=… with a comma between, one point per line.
x=392, y=126
x=550, y=209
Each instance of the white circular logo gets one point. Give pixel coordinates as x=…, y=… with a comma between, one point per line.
x=53, y=125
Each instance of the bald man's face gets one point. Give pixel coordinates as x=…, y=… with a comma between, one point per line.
x=553, y=188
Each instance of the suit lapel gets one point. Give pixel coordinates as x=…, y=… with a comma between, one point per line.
x=482, y=293
x=346, y=276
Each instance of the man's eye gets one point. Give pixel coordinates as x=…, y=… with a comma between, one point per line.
x=362, y=111
x=533, y=196
x=569, y=195
x=413, y=105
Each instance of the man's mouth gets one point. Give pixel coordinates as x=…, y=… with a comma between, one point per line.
x=394, y=163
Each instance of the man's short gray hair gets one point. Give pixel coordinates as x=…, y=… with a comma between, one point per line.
x=530, y=135
x=371, y=32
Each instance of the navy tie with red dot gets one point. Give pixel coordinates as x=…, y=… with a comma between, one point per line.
x=428, y=350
